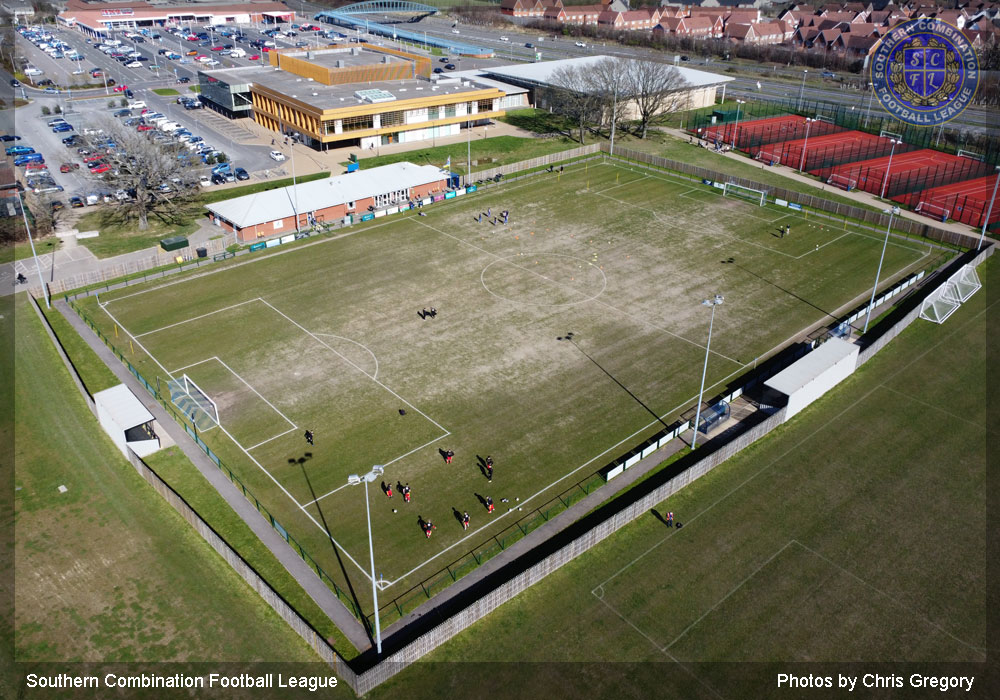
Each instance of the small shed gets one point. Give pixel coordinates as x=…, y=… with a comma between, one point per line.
x=815, y=374
x=126, y=421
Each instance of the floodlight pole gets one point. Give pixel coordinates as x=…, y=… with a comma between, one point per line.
x=353, y=480
x=38, y=265
x=701, y=392
x=802, y=160
x=885, y=244
x=802, y=87
x=888, y=167
x=736, y=126
x=614, y=120
x=468, y=151
x=989, y=211
x=871, y=96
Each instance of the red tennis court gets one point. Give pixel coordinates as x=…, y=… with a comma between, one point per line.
x=821, y=148
x=910, y=172
x=966, y=201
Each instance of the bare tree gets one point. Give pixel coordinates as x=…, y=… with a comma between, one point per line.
x=575, y=94
x=151, y=179
x=611, y=82
x=44, y=218
x=655, y=89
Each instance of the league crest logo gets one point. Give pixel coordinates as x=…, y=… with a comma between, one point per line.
x=924, y=72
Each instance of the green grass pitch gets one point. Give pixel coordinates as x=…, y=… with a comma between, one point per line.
x=327, y=337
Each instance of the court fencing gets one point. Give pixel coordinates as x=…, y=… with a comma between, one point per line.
x=269, y=595
x=970, y=209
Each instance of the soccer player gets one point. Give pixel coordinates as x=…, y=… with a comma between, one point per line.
x=429, y=527
x=489, y=504
x=309, y=436
x=465, y=520
x=406, y=493
x=489, y=469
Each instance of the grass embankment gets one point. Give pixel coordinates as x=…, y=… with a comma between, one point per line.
x=165, y=92
x=120, y=236
x=106, y=570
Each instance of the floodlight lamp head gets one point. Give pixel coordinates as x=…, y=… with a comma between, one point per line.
x=719, y=299
x=378, y=469
x=353, y=479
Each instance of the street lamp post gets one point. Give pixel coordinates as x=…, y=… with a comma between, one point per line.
x=716, y=301
x=871, y=96
x=736, y=126
x=354, y=480
x=802, y=87
x=989, y=211
x=888, y=167
x=805, y=144
x=892, y=212
x=614, y=119
x=38, y=266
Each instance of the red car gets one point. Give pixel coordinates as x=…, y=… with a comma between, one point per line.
x=69, y=167
x=96, y=73
x=101, y=168
x=216, y=48
x=91, y=159
x=253, y=57
x=121, y=88
x=144, y=127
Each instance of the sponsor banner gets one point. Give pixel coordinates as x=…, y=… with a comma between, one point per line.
x=781, y=202
x=287, y=239
x=258, y=246
x=449, y=195
x=438, y=198
x=273, y=243
x=706, y=182
x=719, y=185
x=471, y=188
x=796, y=207
x=367, y=217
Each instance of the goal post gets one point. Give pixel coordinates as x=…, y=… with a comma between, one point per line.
x=843, y=181
x=935, y=211
x=971, y=154
x=758, y=197
x=822, y=118
x=890, y=135
x=768, y=157
x=194, y=402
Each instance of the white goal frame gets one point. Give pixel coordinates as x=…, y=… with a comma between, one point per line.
x=962, y=153
x=759, y=197
x=768, y=157
x=828, y=120
x=838, y=180
x=924, y=208
x=946, y=299
x=890, y=135
x=187, y=384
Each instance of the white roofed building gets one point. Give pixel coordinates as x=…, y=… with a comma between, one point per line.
x=336, y=199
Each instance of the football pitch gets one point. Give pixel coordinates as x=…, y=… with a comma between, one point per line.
x=561, y=339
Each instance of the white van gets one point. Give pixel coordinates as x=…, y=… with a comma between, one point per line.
x=238, y=53
x=169, y=126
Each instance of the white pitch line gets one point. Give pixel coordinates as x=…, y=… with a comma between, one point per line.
x=566, y=476
x=735, y=588
x=362, y=345
x=318, y=340
x=273, y=407
x=263, y=442
x=151, y=356
x=196, y=318
x=194, y=364
x=386, y=464
x=623, y=184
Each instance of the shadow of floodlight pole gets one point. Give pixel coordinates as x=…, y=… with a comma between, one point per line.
x=571, y=338
x=301, y=461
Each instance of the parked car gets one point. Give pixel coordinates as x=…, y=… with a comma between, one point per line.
x=10, y=137
x=450, y=66
x=218, y=179
x=137, y=105
x=504, y=38
x=69, y=167
x=277, y=155
x=57, y=205
x=19, y=150
x=76, y=202
x=184, y=79
x=54, y=122
x=581, y=45
x=123, y=113
x=241, y=174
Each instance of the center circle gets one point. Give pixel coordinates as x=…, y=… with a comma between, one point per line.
x=544, y=279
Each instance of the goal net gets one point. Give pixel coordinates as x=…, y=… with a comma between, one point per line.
x=843, y=181
x=194, y=403
x=769, y=157
x=946, y=299
x=971, y=154
x=758, y=197
x=933, y=210
x=828, y=120
x=890, y=135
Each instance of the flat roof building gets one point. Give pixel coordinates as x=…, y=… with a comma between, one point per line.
x=348, y=95
x=339, y=199
x=99, y=19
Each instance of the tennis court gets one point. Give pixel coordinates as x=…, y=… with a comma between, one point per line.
x=967, y=202
x=817, y=148
x=909, y=172
x=757, y=131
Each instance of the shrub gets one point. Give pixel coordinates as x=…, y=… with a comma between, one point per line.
x=46, y=111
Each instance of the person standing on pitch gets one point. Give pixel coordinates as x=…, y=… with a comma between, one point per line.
x=670, y=519
x=465, y=520
x=309, y=436
x=489, y=504
x=406, y=493
x=489, y=468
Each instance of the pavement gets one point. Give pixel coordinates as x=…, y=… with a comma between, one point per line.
x=325, y=598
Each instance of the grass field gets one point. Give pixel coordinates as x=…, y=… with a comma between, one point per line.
x=327, y=337
x=857, y=532
x=107, y=571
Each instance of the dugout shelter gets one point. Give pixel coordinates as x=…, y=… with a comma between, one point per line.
x=126, y=421
x=815, y=374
